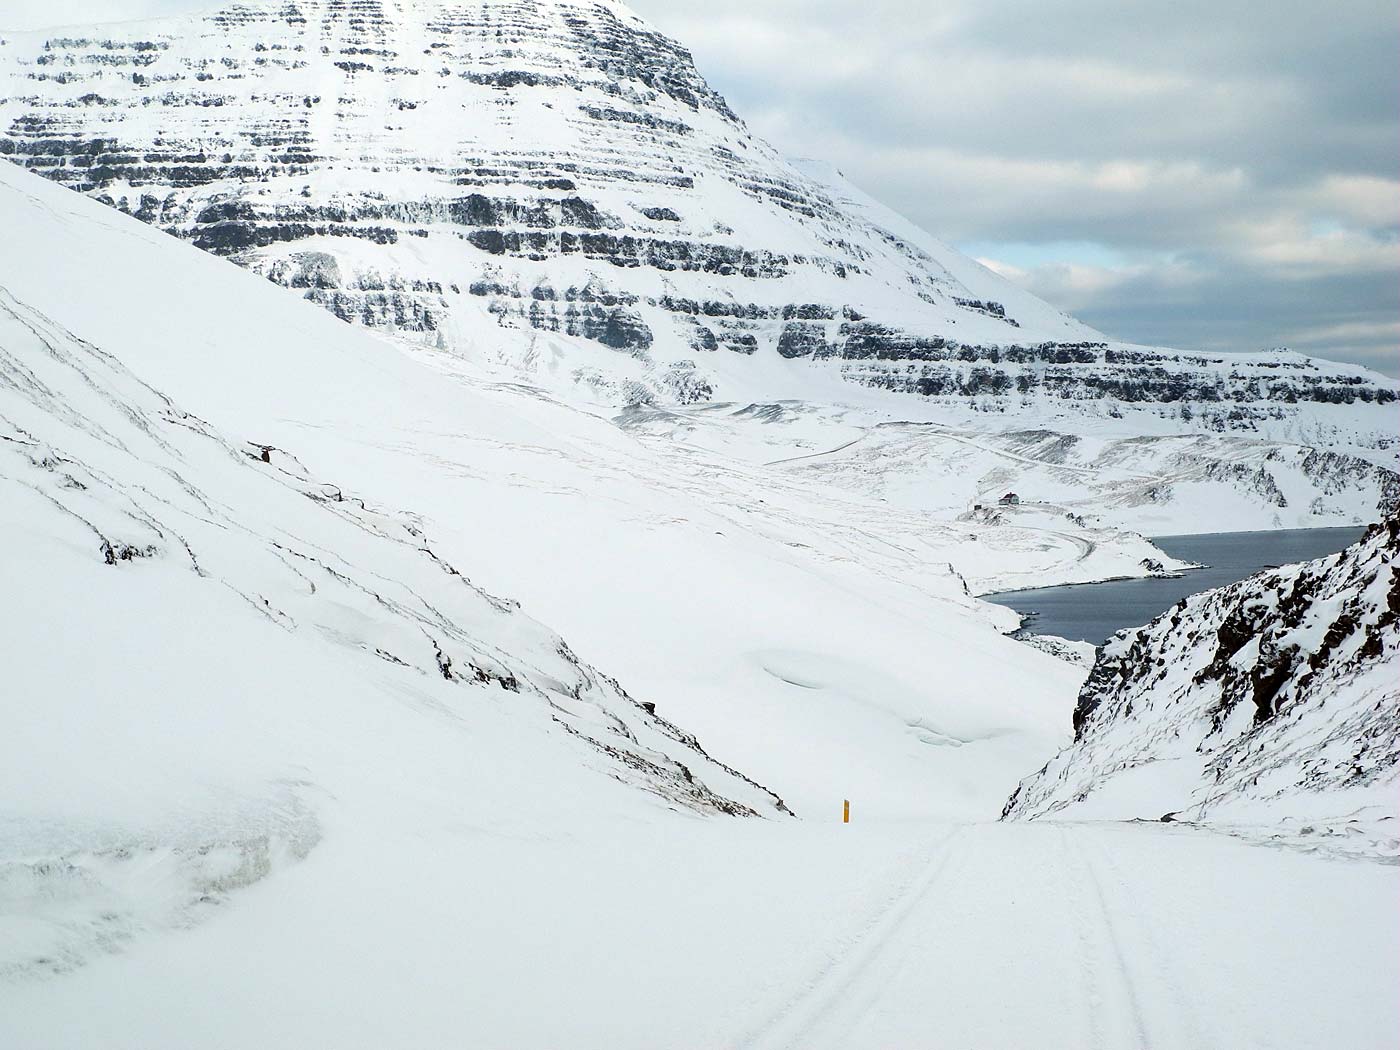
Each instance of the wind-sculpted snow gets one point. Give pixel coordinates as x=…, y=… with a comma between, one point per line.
x=1274, y=700
x=447, y=167
x=84, y=891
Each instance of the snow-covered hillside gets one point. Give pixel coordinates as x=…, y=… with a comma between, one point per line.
x=772, y=617
x=442, y=168
x=243, y=654
x=209, y=651
x=1273, y=701
x=100, y=465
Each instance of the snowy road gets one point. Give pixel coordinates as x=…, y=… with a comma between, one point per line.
x=1099, y=936
x=722, y=934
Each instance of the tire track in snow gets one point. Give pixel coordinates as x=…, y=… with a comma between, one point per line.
x=819, y=455
x=1149, y=950
x=823, y=992
x=1089, y=959
x=1109, y=939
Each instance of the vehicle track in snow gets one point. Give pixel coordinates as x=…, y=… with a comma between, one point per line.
x=794, y=1024
x=1163, y=1020
x=819, y=455
x=1175, y=1023
x=1101, y=959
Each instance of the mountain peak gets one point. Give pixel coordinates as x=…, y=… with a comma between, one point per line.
x=552, y=165
x=528, y=179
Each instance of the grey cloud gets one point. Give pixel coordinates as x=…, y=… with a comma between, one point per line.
x=1194, y=303
x=1239, y=156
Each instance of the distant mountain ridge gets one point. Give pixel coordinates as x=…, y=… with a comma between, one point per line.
x=449, y=168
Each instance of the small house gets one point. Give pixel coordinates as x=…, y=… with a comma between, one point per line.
x=1010, y=500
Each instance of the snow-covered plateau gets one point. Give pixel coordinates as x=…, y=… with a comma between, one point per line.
x=491, y=670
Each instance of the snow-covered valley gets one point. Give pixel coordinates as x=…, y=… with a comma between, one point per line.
x=365, y=688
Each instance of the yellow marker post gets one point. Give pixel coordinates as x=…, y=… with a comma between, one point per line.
x=846, y=812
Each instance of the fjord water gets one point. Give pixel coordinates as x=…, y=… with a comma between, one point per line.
x=1093, y=612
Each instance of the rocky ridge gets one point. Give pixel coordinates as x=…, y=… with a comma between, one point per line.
x=1273, y=698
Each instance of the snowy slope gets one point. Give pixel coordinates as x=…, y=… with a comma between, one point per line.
x=239, y=658
x=214, y=645
x=1274, y=700
x=101, y=465
x=445, y=168
x=772, y=618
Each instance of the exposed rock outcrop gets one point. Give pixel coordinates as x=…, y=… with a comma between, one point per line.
x=1274, y=700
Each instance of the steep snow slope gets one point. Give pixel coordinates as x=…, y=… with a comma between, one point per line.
x=776, y=619
x=442, y=167
x=1275, y=699
x=207, y=648
x=101, y=464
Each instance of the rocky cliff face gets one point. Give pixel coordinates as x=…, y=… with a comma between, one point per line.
x=1277, y=695
x=446, y=168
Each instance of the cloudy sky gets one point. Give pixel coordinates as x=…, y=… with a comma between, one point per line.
x=1222, y=174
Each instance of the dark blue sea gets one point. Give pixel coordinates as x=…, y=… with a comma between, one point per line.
x=1093, y=612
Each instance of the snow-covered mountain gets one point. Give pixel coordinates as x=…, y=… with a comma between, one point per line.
x=1275, y=700
x=442, y=168
x=231, y=677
